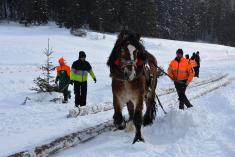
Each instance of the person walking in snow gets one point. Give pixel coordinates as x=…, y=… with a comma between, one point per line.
x=181, y=72
x=197, y=59
x=63, y=77
x=193, y=63
x=187, y=56
x=78, y=75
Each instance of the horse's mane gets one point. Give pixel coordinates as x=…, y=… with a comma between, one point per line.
x=133, y=39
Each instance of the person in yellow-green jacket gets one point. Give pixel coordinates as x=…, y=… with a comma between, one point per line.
x=78, y=76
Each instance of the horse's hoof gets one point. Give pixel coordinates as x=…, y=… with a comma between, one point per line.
x=130, y=126
x=138, y=139
x=121, y=126
x=147, y=121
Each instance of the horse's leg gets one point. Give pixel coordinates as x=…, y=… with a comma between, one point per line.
x=150, y=113
x=138, y=120
x=130, y=124
x=119, y=121
x=131, y=111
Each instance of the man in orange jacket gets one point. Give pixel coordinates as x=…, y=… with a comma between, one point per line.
x=182, y=73
x=63, y=76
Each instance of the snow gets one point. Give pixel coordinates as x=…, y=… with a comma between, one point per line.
x=207, y=129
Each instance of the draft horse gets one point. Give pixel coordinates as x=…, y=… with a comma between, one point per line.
x=134, y=80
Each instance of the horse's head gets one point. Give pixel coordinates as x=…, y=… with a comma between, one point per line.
x=130, y=56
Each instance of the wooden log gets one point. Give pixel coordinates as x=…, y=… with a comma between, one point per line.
x=66, y=141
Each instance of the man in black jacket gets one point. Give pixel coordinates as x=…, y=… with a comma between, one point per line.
x=79, y=75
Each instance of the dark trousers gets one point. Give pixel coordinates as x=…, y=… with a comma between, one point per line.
x=197, y=71
x=183, y=100
x=80, y=91
x=66, y=93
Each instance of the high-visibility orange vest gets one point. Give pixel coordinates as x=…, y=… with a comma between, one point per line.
x=181, y=70
x=63, y=67
x=193, y=62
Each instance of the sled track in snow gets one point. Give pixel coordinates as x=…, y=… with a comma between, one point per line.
x=94, y=109
x=89, y=133
x=194, y=84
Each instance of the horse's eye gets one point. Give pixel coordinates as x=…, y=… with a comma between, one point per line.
x=135, y=53
x=122, y=53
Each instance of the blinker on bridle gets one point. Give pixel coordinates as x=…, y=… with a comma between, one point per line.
x=123, y=63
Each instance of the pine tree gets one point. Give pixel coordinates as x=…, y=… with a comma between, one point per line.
x=163, y=19
x=226, y=30
x=1, y=10
x=60, y=7
x=141, y=16
x=191, y=20
x=26, y=12
x=40, y=11
x=102, y=15
x=45, y=83
x=109, y=18
x=72, y=12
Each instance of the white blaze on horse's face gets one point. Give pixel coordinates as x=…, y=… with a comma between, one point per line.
x=131, y=49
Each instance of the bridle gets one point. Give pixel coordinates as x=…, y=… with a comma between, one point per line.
x=122, y=63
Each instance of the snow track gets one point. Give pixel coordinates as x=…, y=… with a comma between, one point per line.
x=194, y=84
x=196, y=90
x=94, y=109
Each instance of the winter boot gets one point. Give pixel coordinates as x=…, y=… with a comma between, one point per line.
x=181, y=106
x=189, y=105
x=65, y=101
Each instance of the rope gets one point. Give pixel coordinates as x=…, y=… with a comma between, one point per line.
x=181, y=82
x=161, y=105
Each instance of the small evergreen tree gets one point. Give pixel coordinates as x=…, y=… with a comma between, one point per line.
x=46, y=82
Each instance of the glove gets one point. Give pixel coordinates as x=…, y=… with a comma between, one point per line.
x=71, y=82
x=95, y=80
x=187, y=83
x=56, y=80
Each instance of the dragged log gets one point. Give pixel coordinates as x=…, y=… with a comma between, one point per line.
x=66, y=141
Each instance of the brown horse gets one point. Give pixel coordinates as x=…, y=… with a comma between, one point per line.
x=134, y=80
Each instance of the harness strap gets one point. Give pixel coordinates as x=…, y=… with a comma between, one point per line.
x=124, y=63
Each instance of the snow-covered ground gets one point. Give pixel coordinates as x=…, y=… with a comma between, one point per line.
x=208, y=129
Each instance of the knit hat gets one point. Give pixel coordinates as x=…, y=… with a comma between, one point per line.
x=61, y=60
x=179, y=51
x=82, y=54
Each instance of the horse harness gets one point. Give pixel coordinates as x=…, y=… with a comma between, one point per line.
x=122, y=63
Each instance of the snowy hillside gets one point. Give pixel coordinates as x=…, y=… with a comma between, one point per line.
x=208, y=129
